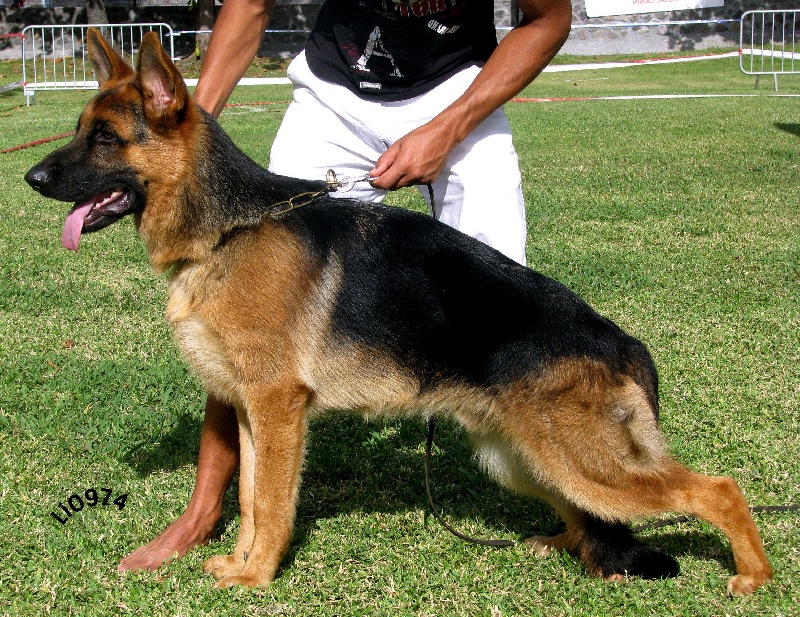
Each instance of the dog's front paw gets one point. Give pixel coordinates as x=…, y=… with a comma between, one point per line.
x=245, y=580
x=222, y=566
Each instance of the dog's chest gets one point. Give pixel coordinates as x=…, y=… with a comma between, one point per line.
x=198, y=342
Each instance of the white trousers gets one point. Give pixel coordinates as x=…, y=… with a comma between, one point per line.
x=328, y=127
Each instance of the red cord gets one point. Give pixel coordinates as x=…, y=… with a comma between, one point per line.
x=38, y=142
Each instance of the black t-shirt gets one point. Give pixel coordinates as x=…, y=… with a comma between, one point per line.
x=395, y=49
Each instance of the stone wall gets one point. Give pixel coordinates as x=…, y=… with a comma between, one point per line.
x=645, y=38
x=300, y=14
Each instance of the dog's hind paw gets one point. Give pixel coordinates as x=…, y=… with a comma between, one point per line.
x=745, y=584
x=641, y=560
x=610, y=549
x=222, y=566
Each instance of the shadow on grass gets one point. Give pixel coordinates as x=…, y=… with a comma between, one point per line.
x=354, y=466
x=12, y=97
x=698, y=544
x=170, y=450
x=789, y=127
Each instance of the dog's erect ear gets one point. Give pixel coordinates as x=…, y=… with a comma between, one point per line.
x=164, y=89
x=108, y=64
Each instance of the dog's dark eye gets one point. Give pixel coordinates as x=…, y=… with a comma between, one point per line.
x=105, y=136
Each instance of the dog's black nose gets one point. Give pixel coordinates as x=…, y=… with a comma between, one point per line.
x=37, y=177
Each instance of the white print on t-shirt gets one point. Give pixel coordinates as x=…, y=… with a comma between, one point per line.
x=375, y=47
x=441, y=28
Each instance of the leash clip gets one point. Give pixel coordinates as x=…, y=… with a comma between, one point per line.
x=345, y=183
x=332, y=183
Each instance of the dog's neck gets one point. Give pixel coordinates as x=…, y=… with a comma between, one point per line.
x=224, y=190
x=243, y=189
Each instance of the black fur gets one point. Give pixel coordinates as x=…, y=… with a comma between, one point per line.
x=243, y=190
x=480, y=308
x=612, y=549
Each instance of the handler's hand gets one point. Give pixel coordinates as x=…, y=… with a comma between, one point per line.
x=416, y=158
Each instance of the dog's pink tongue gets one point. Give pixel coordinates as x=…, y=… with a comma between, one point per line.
x=71, y=234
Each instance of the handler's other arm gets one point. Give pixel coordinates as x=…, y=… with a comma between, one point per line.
x=234, y=43
x=418, y=158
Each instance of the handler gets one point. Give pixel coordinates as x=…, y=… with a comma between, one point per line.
x=409, y=92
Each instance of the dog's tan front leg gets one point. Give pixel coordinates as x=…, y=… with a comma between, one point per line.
x=277, y=423
x=222, y=566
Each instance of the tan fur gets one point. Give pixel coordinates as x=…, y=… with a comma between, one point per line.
x=165, y=230
x=253, y=318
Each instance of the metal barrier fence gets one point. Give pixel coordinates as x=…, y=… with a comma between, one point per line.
x=769, y=43
x=55, y=57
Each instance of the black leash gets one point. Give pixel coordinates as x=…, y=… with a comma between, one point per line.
x=433, y=205
x=434, y=510
x=429, y=444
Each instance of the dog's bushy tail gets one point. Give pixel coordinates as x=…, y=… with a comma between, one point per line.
x=607, y=549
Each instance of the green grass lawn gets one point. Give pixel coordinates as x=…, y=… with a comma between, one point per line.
x=679, y=219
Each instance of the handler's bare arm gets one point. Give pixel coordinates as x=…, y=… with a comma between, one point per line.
x=234, y=43
x=419, y=157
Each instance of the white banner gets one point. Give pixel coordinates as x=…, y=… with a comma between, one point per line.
x=602, y=8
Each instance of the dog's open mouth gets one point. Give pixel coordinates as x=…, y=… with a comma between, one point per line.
x=100, y=211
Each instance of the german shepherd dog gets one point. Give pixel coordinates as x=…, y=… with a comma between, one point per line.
x=285, y=311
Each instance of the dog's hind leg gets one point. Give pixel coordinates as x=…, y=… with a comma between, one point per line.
x=608, y=548
x=591, y=447
x=277, y=424
x=718, y=501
